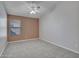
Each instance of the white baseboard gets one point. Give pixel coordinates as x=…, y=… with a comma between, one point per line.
x=3, y=48
x=61, y=46
x=24, y=40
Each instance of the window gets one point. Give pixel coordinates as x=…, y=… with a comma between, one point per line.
x=14, y=27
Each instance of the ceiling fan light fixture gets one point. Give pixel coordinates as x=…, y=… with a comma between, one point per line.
x=32, y=12
x=34, y=8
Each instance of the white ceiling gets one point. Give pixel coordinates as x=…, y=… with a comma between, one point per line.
x=19, y=8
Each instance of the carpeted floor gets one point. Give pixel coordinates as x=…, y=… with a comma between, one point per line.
x=36, y=49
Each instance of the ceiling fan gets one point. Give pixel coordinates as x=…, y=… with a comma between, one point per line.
x=34, y=8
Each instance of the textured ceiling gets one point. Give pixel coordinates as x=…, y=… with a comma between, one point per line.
x=20, y=8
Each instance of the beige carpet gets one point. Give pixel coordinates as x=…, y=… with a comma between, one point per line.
x=36, y=49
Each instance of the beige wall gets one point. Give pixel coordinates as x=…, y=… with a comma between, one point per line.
x=29, y=30
x=3, y=28
x=61, y=26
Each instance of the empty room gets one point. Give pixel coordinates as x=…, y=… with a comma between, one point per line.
x=39, y=29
